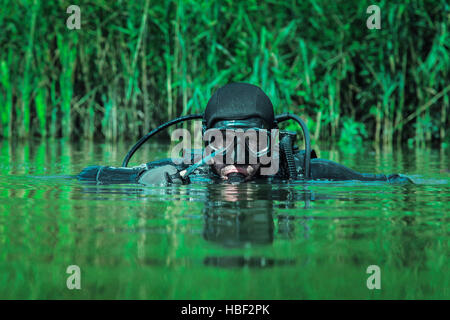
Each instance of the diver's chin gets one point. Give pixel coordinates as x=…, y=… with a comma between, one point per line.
x=237, y=173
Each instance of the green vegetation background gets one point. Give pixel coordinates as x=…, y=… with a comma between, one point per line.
x=136, y=64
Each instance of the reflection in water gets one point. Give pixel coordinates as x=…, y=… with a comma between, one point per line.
x=242, y=215
x=235, y=216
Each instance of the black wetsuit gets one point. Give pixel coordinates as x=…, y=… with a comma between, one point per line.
x=321, y=169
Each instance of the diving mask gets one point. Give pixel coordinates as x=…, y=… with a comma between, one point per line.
x=242, y=141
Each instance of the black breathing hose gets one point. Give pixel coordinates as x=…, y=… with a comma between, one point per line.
x=286, y=146
x=154, y=131
x=307, y=163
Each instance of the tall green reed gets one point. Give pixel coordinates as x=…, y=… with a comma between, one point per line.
x=133, y=65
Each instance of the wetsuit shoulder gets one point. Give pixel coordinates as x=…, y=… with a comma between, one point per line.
x=107, y=174
x=322, y=169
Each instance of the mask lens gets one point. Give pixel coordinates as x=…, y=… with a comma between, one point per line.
x=217, y=139
x=259, y=143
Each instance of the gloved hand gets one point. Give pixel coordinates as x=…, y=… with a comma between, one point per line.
x=162, y=176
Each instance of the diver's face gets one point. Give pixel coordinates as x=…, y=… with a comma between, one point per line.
x=240, y=144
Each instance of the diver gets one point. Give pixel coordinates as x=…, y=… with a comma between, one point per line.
x=243, y=144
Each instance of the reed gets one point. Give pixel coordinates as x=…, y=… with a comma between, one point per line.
x=136, y=64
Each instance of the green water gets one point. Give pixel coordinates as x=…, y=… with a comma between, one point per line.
x=202, y=241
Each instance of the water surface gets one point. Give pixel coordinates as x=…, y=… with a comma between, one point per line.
x=202, y=241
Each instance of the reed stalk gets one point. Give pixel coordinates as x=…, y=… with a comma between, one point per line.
x=134, y=65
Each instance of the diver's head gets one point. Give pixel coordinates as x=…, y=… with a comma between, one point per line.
x=239, y=117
